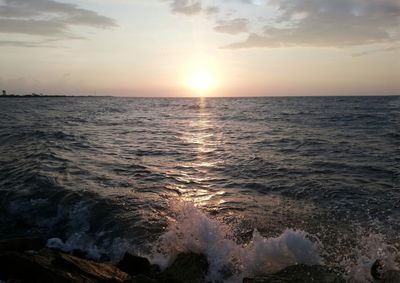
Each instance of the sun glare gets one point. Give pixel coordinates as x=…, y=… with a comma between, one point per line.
x=201, y=81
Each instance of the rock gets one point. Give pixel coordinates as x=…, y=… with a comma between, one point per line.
x=391, y=276
x=134, y=265
x=155, y=268
x=31, y=252
x=98, y=271
x=16, y=266
x=79, y=253
x=143, y=279
x=52, y=266
x=56, y=244
x=299, y=274
x=187, y=268
x=22, y=244
x=377, y=270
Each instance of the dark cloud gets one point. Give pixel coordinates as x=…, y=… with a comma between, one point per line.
x=30, y=44
x=191, y=7
x=317, y=23
x=47, y=18
x=378, y=50
x=186, y=7
x=327, y=23
x=33, y=27
x=17, y=43
x=211, y=10
x=235, y=26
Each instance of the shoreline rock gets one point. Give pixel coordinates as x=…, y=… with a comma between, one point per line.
x=188, y=268
x=135, y=265
x=52, y=266
x=300, y=274
x=29, y=260
x=23, y=244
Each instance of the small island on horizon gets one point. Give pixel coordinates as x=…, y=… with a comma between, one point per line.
x=33, y=94
x=5, y=95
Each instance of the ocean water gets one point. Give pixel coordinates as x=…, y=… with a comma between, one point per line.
x=256, y=184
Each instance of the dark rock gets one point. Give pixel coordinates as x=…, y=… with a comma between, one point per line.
x=104, y=258
x=164, y=277
x=22, y=244
x=377, y=270
x=143, y=279
x=84, y=254
x=79, y=253
x=16, y=266
x=31, y=252
x=155, y=268
x=187, y=268
x=99, y=271
x=134, y=265
x=52, y=266
x=391, y=276
x=299, y=274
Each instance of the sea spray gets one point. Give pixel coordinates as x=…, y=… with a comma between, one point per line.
x=192, y=230
x=372, y=247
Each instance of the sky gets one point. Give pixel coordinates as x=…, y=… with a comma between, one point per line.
x=200, y=47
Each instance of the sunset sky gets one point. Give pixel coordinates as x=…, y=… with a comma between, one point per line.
x=183, y=47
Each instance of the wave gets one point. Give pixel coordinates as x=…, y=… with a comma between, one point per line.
x=230, y=260
x=192, y=230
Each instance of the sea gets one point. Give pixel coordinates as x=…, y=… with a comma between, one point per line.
x=255, y=184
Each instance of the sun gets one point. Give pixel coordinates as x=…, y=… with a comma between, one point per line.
x=201, y=81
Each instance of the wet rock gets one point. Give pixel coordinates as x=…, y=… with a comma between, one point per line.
x=187, y=268
x=100, y=272
x=391, y=276
x=155, y=268
x=16, y=266
x=86, y=255
x=22, y=244
x=79, y=253
x=299, y=274
x=143, y=279
x=134, y=265
x=52, y=266
x=377, y=270
x=379, y=275
x=55, y=244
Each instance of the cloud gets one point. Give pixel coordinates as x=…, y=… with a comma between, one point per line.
x=16, y=43
x=378, y=50
x=211, y=10
x=289, y=23
x=235, y=26
x=30, y=44
x=32, y=27
x=186, y=7
x=47, y=18
x=191, y=7
x=327, y=23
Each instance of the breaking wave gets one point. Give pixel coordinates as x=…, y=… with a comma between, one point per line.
x=191, y=230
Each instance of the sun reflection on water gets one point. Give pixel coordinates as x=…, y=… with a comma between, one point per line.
x=201, y=134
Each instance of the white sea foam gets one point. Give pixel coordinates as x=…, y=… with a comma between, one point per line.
x=76, y=241
x=81, y=241
x=192, y=230
x=371, y=248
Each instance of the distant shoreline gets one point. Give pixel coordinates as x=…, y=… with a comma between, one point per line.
x=185, y=97
x=44, y=96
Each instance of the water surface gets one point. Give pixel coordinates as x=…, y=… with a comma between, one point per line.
x=112, y=174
